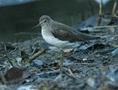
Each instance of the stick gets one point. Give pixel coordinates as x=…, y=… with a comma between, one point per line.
x=37, y=54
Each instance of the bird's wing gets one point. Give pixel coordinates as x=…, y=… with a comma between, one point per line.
x=66, y=33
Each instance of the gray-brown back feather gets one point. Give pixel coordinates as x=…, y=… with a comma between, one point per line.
x=66, y=33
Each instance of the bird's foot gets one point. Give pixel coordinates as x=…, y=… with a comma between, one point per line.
x=67, y=72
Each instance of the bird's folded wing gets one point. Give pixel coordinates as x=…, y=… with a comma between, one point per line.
x=66, y=33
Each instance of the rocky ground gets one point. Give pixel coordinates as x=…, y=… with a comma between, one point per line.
x=34, y=65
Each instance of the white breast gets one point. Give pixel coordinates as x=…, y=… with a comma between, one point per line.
x=49, y=38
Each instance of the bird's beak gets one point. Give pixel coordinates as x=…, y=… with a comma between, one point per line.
x=41, y=22
x=36, y=26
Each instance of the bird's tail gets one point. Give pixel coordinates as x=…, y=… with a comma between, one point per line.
x=84, y=37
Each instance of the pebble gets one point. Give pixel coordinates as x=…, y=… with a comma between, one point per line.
x=37, y=63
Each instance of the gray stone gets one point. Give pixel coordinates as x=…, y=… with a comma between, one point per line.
x=37, y=63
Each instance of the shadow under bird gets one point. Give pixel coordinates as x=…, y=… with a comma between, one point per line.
x=61, y=35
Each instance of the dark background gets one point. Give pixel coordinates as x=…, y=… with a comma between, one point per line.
x=22, y=17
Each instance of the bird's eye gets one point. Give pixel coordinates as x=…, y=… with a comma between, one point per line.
x=45, y=21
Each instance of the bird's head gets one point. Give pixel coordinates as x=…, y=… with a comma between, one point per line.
x=44, y=20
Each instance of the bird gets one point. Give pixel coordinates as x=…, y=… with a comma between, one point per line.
x=61, y=35
x=104, y=2
x=114, y=9
x=101, y=14
x=101, y=3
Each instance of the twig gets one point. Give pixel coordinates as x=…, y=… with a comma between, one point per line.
x=108, y=26
x=37, y=54
x=71, y=73
x=68, y=73
x=9, y=60
x=3, y=77
x=114, y=45
x=49, y=73
x=100, y=27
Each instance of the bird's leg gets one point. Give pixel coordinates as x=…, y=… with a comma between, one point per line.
x=61, y=66
x=61, y=61
x=70, y=74
x=100, y=8
x=114, y=9
x=100, y=13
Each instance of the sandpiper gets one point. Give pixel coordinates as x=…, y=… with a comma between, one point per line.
x=114, y=9
x=104, y=2
x=101, y=3
x=61, y=35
